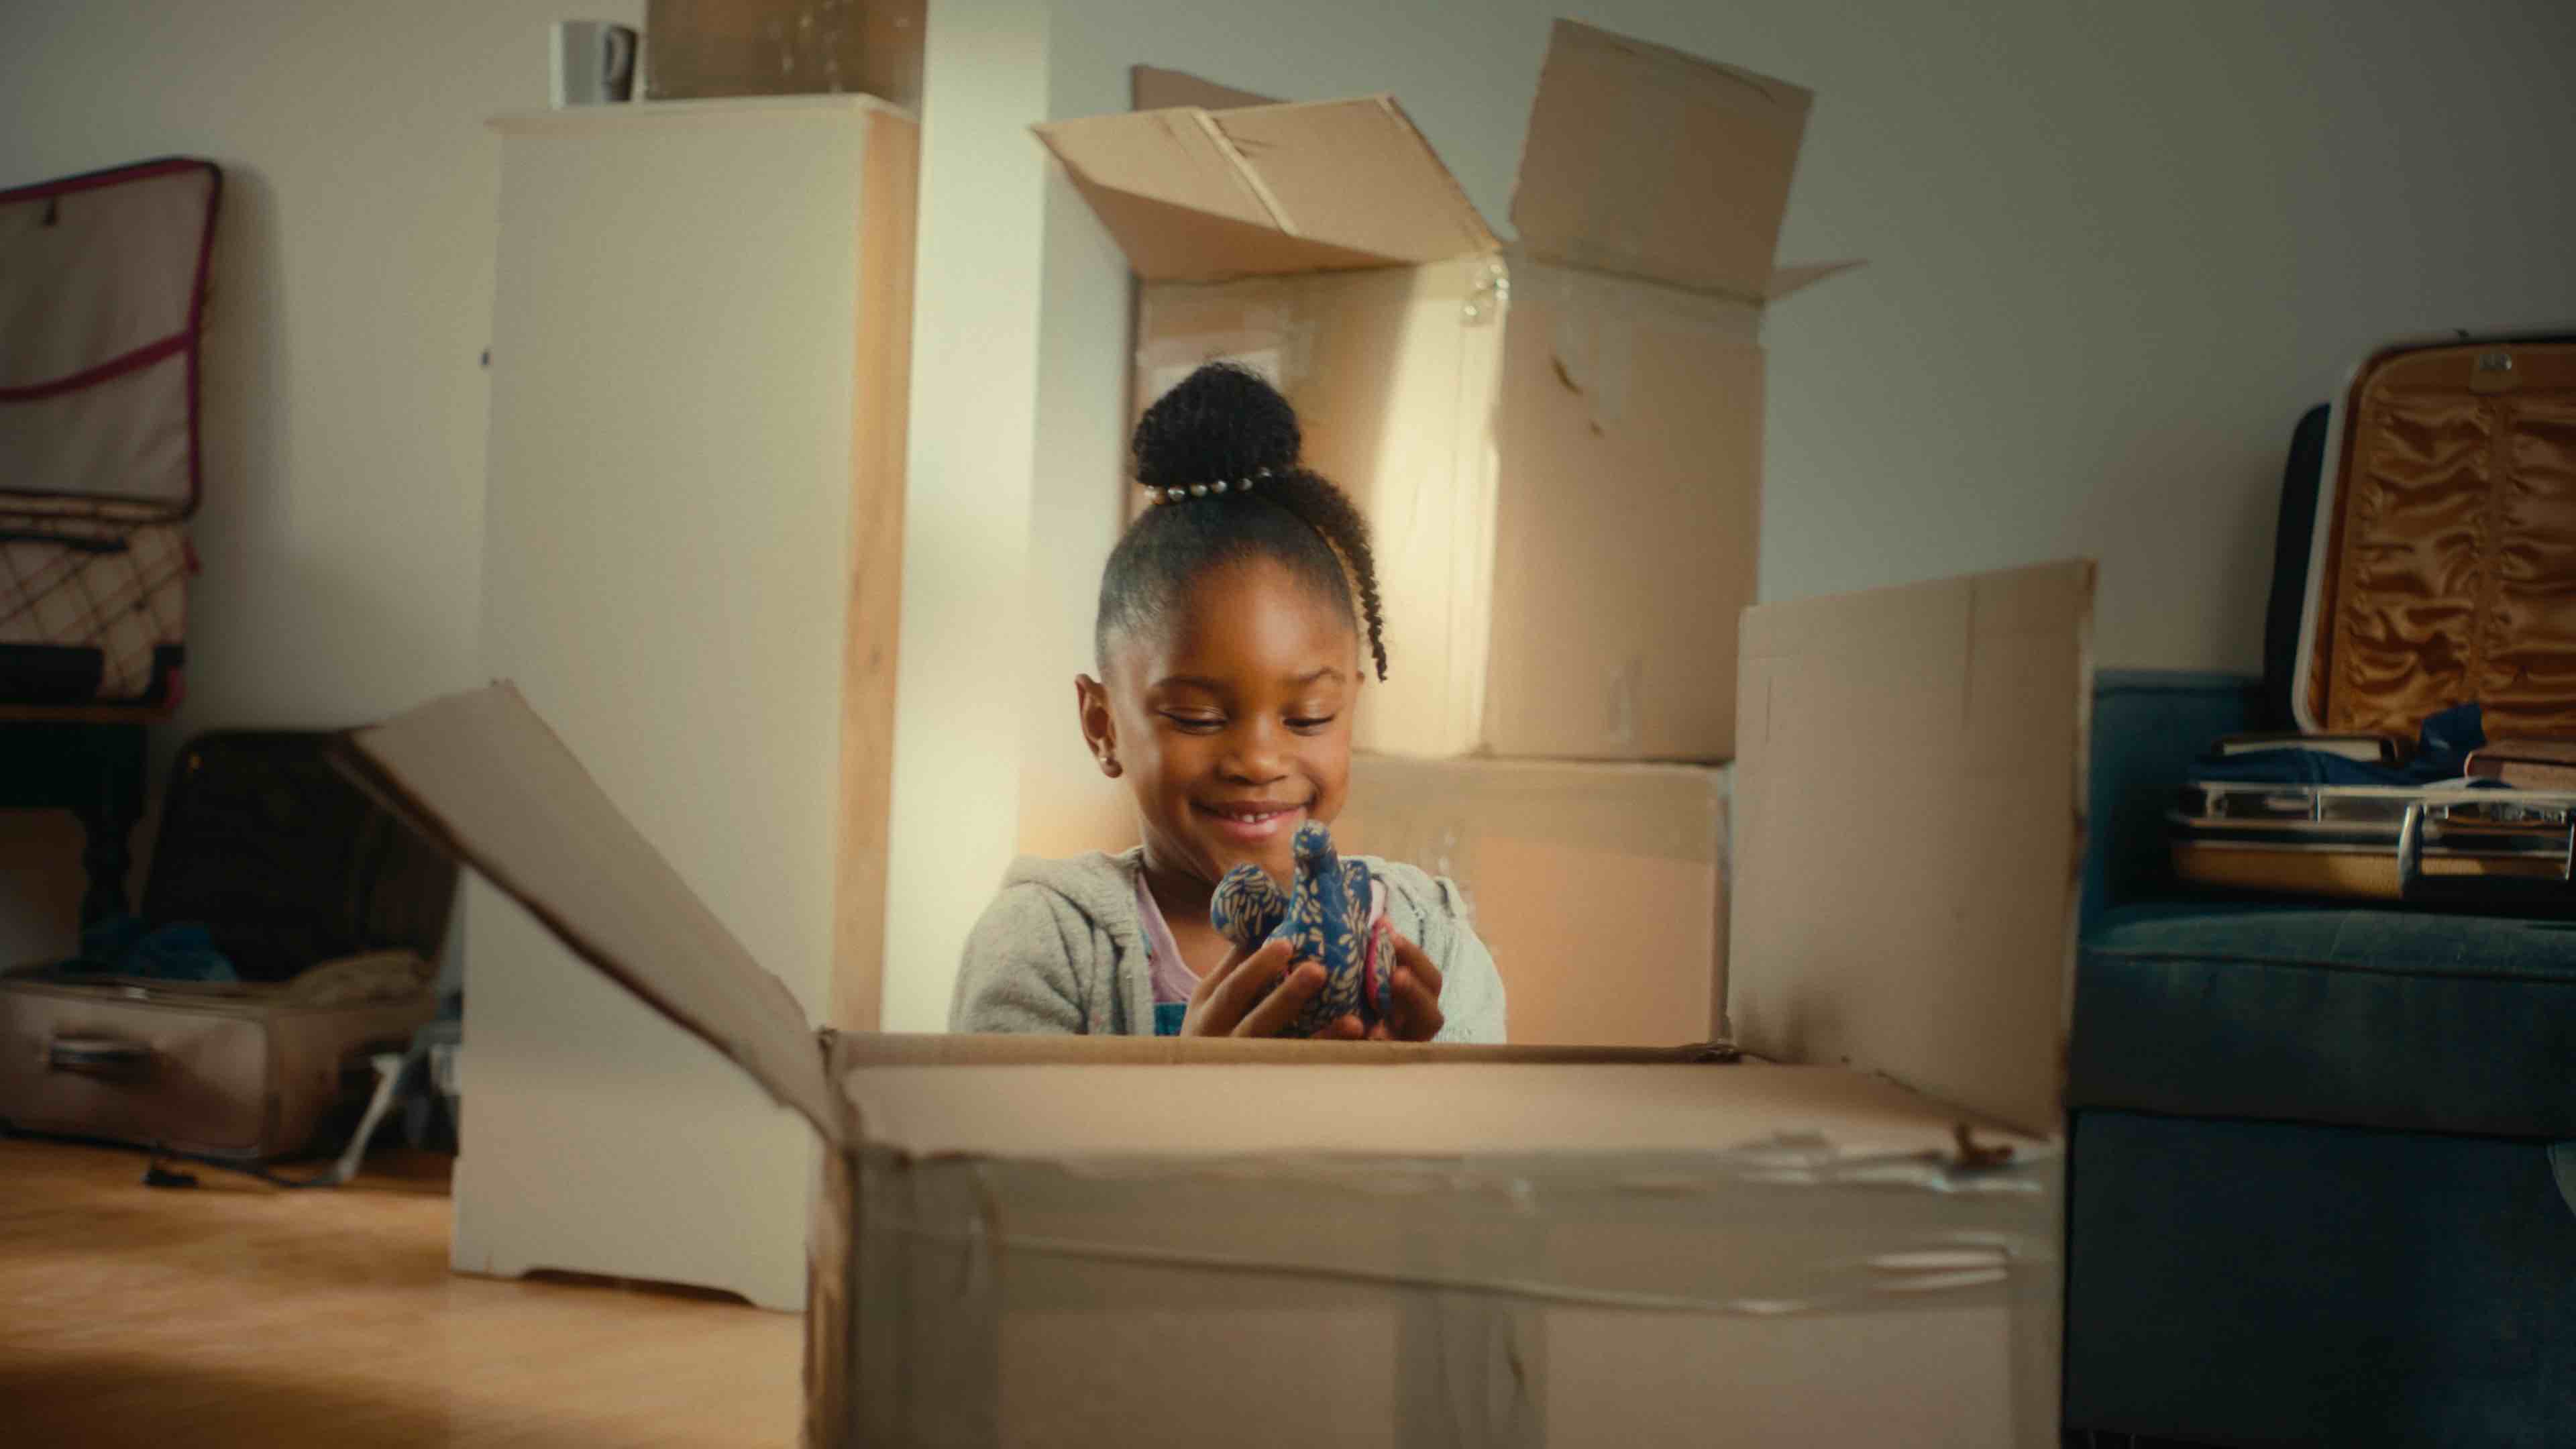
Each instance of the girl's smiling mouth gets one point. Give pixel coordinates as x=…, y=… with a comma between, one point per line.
x=1252, y=821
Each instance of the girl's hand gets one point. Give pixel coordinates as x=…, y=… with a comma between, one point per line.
x=1414, y=1014
x=1231, y=1000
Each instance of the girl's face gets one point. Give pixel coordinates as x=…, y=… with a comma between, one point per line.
x=1234, y=728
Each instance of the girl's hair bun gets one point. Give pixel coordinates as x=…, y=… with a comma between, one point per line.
x=1221, y=422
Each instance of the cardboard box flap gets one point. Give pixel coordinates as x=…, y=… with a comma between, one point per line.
x=1152, y=88
x=1051, y=1109
x=1647, y=162
x=1198, y=195
x=848, y=1051
x=481, y=774
x=1909, y=834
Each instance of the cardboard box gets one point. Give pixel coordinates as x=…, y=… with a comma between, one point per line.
x=702, y=49
x=1558, y=443
x=1138, y=1241
x=1642, y=847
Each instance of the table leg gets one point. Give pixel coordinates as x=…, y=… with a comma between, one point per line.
x=111, y=807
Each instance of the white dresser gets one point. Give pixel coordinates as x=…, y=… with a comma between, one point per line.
x=691, y=547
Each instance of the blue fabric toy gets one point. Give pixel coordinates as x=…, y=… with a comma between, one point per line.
x=1324, y=916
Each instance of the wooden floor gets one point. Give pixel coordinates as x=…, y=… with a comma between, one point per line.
x=235, y=1313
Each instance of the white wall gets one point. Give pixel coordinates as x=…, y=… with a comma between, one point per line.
x=352, y=289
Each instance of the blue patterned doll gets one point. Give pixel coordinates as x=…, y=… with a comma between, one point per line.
x=1324, y=916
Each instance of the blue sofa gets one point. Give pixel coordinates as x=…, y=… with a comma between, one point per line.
x=2323, y=1175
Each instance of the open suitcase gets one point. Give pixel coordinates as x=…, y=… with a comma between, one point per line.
x=2496, y=850
x=327, y=911
x=102, y=305
x=2435, y=567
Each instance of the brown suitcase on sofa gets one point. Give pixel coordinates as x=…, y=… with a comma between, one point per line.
x=2444, y=551
x=2441, y=571
x=326, y=909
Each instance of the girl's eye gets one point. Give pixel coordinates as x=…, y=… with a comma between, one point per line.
x=1196, y=724
x=1310, y=725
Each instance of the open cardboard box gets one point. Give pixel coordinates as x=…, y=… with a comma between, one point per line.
x=1559, y=442
x=1133, y=1241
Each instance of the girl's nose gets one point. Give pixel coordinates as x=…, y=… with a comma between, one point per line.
x=1254, y=758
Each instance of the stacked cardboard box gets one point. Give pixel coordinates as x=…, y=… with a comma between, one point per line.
x=1558, y=444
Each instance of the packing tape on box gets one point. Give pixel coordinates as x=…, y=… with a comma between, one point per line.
x=831, y=1287
x=923, y=1353
x=1468, y=1259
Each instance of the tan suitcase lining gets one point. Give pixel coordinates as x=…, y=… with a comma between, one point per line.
x=2450, y=572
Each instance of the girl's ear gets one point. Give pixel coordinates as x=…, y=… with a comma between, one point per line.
x=1099, y=727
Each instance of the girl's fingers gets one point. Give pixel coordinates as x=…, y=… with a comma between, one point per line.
x=1225, y=995
x=1258, y=993
x=1417, y=1006
x=1412, y=957
x=1415, y=989
x=1282, y=1006
x=1232, y=963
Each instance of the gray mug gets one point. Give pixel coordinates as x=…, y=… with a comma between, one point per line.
x=594, y=62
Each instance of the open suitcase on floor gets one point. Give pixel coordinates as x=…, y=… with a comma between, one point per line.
x=102, y=305
x=2427, y=559
x=327, y=910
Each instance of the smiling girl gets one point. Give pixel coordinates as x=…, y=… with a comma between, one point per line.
x=1228, y=644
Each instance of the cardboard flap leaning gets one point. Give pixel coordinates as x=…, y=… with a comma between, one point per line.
x=482, y=775
x=1909, y=834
